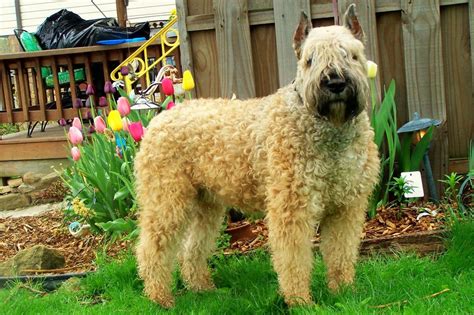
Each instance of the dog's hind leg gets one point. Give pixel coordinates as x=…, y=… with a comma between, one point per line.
x=163, y=218
x=340, y=238
x=200, y=241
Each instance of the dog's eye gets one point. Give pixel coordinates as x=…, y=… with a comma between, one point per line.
x=309, y=62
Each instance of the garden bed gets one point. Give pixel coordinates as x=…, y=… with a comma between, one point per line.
x=384, y=233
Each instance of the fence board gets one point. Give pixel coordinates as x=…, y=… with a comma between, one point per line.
x=424, y=72
x=186, y=58
x=264, y=59
x=471, y=27
x=205, y=64
x=7, y=87
x=40, y=88
x=287, y=15
x=233, y=49
x=457, y=78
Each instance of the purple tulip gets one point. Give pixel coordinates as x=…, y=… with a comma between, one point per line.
x=62, y=122
x=108, y=87
x=88, y=102
x=90, y=90
x=91, y=129
x=77, y=104
x=124, y=70
x=88, y=115
x=103, y=101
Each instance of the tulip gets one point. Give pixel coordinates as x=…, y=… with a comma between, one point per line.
x=136, y=131
x=167, y=86
x=88, y=115
x=108, y=88
x=173, y=11
x=103, y=101
x=91, y=129
x=76, y=122
x=99, y=124
x=76, y=153
x=188, y=81
x=371, y=69
x=170, y=105
x=125, y=123
x=90, y=90
x=62, y=122
x=123, y=106
x=88, y=102
x=75, y=135
x=77, y=104
x=114, y=120
x=124, y=70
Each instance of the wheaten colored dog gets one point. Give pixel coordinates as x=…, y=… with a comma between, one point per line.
x=304, y=155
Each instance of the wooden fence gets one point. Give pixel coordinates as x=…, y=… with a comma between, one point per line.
x=244, y=47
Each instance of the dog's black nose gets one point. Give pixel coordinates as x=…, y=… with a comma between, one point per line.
x=336, y=84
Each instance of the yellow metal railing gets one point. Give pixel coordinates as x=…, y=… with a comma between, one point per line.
x=144, y=67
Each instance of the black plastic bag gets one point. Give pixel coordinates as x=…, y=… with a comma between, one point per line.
x=65, y=29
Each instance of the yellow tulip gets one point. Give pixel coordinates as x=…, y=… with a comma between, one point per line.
x=371, y=69
x=173, y=12
x=115, y=120
x=188, y=81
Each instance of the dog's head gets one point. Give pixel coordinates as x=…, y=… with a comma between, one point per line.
x=331, y=76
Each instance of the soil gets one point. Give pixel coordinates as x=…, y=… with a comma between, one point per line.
x=50, y=229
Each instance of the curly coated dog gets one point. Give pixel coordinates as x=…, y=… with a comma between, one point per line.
x=303, y=155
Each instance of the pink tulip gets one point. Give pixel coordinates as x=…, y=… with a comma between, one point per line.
x=76, y=153
x=125, y=123
x=170, y=105
x=167, y=86
x=99, y=124
x=123, y=106
x=75, y=135
x=76, y=122
x=136, y=131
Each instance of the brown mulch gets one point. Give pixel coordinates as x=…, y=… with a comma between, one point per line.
x=50, y=230
x=386, y=223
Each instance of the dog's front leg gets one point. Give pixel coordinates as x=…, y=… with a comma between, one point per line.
x=290, y=232
x=340, y=239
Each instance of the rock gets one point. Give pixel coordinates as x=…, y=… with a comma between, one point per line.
x=50, y=178
x=3, y=227
x=71, y=285
x=24, y=188
x=14, y=201
x=38, y=257
x=15, y=182
x=31, y=178
x=5, y=190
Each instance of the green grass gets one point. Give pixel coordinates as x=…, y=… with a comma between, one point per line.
x=248, y=285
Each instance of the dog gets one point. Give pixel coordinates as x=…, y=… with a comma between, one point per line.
x=304, y=155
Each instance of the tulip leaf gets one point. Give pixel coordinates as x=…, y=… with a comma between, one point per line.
x=420, y=149
x=122, y=193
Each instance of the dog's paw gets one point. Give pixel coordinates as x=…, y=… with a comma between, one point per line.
x=292, y=301
x=163, y=299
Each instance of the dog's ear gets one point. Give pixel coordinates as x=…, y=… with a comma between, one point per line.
x=352, y=23
x=301, y=33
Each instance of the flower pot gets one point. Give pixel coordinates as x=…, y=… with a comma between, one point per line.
x=242, y=232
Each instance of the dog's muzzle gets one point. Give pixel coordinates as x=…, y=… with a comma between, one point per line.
x=338, y=99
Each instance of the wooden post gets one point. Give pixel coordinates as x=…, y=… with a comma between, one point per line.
x=471, y=27
x=424, y=73
x=121, y=12
x=185, y=48
x=233, y=48
x=287, y=15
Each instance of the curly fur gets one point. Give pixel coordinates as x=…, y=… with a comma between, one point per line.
x=282, y=154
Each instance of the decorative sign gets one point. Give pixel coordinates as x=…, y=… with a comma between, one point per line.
x=413, y=179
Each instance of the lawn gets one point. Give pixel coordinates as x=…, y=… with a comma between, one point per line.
x=248, y=285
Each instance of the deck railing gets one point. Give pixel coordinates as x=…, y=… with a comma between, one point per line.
x=28, y=95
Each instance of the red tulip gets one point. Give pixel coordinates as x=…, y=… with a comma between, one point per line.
x=99, y=124
x=136, y=130
x=76, y=153
x=123, y=106
x=167, y=86
x=75, y=135
x=170, y=105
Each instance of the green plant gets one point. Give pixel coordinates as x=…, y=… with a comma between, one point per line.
x=468, y=181
x=384, y=122
x=399, y=187
x=409, y=158
x=451, y=183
